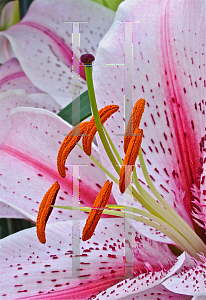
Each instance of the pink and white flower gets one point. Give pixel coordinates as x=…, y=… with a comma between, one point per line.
x=168, y=71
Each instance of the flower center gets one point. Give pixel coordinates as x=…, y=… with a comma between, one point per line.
x=159, y=214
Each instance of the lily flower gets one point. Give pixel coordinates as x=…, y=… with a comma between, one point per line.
x=42, y=43
x=38, y=271
x=26, y=157
x=43, y=270
x=153, y=277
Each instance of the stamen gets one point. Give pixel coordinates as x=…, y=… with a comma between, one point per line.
x=129, y=160
x=133, y=122
x=68, y=144
x=96, y=212
x=45, y=210
x=91, y=129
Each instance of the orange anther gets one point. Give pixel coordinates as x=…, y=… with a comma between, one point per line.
x=68, y=144
x=104, y=114
x=129, y=160
x=45, y=210
x=133, y=122
x=97, y=210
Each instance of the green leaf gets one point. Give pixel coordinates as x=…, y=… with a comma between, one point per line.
x=23, y=7
x=112, y=4
x=85, y=110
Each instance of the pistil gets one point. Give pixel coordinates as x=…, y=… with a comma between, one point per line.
x=88, y=71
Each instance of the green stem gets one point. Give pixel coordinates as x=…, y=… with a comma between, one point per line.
x=181, y=224
x=150, y=200
x=105, y=170
x=167, y=230
x=101, y=166
x=173, y=234
x=130, y=189
x=166, y=216
x=113, y=146
x=160, y=211
x=88, y=71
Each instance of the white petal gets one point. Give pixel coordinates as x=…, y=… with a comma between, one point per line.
x=42, y=42
x=141, y=283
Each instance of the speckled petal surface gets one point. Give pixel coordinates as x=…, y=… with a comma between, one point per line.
x=168, y=71
x=158, y=292
x=18, y=98
x=189, y=281
x=132, y=287
x=13, y=77
x=35, y=270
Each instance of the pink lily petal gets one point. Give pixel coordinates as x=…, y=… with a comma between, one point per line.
x=199, y=210
x=8, y=101
x=13, y=77
x=28, y=156
x=168, y=71
x=189, y=281
x=43, y=43
x=144, y=282
x=31, y=270
x=17, y=98
x=8, y=212
x=158, y=292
